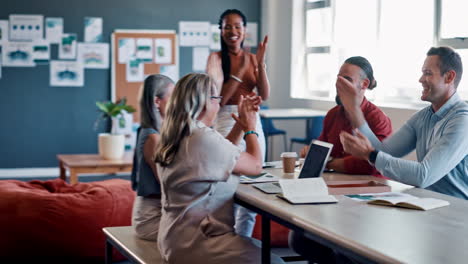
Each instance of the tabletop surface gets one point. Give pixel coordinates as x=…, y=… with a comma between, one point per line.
x=383, y=233
x=291, y=113
x=86, y=160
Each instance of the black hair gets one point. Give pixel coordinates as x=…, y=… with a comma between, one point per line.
x=449, y=60
x=225, y=60
x=366, y=67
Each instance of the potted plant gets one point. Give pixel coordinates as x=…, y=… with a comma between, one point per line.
x=112, y=145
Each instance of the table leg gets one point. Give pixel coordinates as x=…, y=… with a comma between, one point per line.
x=73, y=176
x=108, y=257
x=63, y=172
x=266, y=250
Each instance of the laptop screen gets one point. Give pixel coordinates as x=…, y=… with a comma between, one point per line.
x=316, y=159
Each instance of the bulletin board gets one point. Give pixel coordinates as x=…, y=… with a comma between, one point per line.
x=121, y=87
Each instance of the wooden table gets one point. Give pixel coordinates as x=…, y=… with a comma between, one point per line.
x=369, y=233
x=92, y=163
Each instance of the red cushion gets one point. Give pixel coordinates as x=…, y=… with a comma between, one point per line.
x=53, y=218
x=278, y=233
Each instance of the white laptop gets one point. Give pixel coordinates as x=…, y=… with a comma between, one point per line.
x=313, y=167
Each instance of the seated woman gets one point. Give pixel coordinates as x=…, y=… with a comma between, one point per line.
x=199, y=171
x=147, y=207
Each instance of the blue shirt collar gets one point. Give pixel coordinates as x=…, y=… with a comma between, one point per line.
x=447, y=106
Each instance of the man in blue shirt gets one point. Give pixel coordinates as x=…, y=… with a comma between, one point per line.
x=437, y=132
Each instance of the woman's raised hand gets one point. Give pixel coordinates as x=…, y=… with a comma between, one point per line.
x=247, y=107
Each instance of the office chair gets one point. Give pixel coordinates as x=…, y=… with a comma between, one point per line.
x=313, y=130
x=270, y=130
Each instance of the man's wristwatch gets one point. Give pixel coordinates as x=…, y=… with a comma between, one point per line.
x=373, y=156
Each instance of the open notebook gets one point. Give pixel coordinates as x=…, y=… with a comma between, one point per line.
x=306, y=191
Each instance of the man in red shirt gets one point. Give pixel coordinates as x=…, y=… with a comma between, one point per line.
x=359, y=71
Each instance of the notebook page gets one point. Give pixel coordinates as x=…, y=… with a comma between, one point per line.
x=303, y=187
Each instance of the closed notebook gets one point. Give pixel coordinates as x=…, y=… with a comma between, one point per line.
x=411, y=202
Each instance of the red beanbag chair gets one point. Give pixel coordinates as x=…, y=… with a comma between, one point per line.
x=55, y=219
x=278, y=233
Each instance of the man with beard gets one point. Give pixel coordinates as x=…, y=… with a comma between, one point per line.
x=437, y=132
x=358, y=71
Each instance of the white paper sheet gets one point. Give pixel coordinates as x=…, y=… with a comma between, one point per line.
x=93, y=29
x=66, y=73
x=17, y=54
x=3, y=31
x=194, y=33
x=135, y=70
x=171, y=71
x=251, y=37
x=144, y=49
x=127, y=49
x=94, y=55
x=200, y=57
x=26, y=27
x=67, y=47
x=41, y=51
x=162, y=50
x=215, y=37
x=54, y=29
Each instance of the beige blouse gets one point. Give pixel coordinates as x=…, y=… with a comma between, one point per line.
x=197, y=203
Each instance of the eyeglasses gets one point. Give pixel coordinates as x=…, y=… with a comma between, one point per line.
x=216, y=97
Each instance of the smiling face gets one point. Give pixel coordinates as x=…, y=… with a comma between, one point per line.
x=354, y=74
x=433, y=82
x=233, y=31
x=162, y=102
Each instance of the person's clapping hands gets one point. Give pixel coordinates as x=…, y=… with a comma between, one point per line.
x=357, y=145
x=248, y=107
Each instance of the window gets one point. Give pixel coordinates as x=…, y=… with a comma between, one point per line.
x=394, y=35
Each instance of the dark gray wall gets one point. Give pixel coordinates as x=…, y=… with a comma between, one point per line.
x=38, y=121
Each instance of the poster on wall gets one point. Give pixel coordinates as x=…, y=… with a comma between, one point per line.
x=144, y=49
x=66, y=73
x=93, y=29
x=17, y=54
x=3, y=31
x=94, y=55
x=194, y=33
x=26, y=27
x=126, y=48
x=251, y=34
x=215, y=37
x=54, y=29
x=41, y=51
x=200, y=57
x=135, y=70
x=163, y=50
x=67, y=46
x=0, y=61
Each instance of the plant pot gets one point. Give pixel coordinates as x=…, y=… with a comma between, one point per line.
x=111, y=146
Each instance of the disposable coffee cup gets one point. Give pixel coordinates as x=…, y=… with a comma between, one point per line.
x=289, y=161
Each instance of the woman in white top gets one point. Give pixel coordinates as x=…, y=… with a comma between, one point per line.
x=199, y=169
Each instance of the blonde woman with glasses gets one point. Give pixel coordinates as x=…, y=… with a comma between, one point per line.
x=199, y=170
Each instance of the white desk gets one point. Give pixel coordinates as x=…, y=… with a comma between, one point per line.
x=291, y=113
x=370, y=233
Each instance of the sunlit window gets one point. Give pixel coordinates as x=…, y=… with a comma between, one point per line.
x=394, y=35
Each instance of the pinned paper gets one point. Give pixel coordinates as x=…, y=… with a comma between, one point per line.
x=251, y=35
x=200, y=57
x=67, y=48
x=3, y=31
x=144, y=49
x=54, y=29
x=94, y=55
x=127, y=49
x=93, y=29
x=41, y=51
x=17, y=54
x=66, y=73
x=215, y=37
x=171, y=71
x=135, y=70
x=194, y=33
x=26, y=27
x=163, y=50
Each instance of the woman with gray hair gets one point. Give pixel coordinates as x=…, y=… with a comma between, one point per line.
x=154, y=96
x=199, y=171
